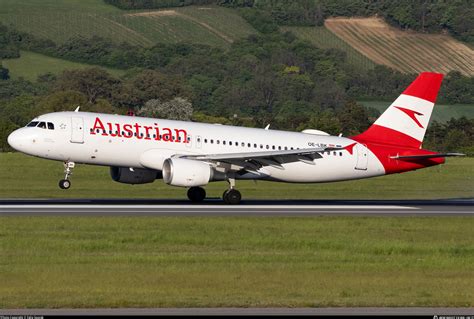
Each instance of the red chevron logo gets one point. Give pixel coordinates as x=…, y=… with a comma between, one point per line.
x=350, y=148
x=411, y=114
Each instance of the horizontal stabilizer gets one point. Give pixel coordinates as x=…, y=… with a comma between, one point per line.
x=426, y=156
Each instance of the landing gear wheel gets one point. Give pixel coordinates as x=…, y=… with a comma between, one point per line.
x=196, y=194
x=64, y=184
x=232, y=197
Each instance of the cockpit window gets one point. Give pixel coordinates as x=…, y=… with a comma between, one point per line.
x=50, y=126
x=42, y=125
x=32, y=124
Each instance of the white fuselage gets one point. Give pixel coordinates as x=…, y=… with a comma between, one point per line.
x=74, y=139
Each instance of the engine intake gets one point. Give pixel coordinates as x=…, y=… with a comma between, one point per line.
x=137, y=176
x=187, y=173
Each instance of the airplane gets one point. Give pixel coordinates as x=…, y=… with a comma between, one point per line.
x=140, y=150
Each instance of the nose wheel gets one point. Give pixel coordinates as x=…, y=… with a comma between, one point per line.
x=66, y=183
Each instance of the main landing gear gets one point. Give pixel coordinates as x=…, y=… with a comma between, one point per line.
x=196, y=194
x=231, y=196
x=66, y=183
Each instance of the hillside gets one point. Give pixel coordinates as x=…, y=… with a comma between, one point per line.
x=62, y=19
x=31, y=64
x=323, y=38
x=405, y=51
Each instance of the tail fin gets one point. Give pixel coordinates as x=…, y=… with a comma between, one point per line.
x=405, y=121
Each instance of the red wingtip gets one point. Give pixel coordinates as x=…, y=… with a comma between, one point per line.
x=425, y=86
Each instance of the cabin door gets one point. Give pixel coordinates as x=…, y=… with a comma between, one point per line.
x=77, y=130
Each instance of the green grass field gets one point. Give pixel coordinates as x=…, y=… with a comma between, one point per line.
x=441, y=113
x=29, y=65
x=86, y=262
x=325, y=39
x=62, y=19
x=30, y=177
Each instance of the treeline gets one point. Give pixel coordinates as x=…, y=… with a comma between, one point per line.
x=454, y=135
x=422, y=15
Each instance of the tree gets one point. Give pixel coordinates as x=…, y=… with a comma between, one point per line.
x=176, y=109
x=325, y=121
x=93, y=82
x=62, y=101
x=353, y=118
x=150, y=84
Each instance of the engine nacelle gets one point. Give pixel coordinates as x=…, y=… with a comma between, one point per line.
x=137, y=176
x=186, y=173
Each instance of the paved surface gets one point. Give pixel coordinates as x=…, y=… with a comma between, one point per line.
x=113, y=207
x=246, y=311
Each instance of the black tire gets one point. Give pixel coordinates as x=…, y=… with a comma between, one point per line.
x=64, y=184
x=232, y=197
x=196, y=194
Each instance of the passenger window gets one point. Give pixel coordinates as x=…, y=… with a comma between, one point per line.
x=42, y=125
x=279, y=148
x=243, y=144
x=268, y=147
x=230, y=143
x=273, y=147
x=218, y=142
x=50, y=126
x=255, y=145
x=32, y=124
x=223, y=142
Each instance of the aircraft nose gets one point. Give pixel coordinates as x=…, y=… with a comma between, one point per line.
x=20, y=140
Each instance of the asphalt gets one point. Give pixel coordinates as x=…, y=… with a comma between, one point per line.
x=215, y=207
x=440, y=312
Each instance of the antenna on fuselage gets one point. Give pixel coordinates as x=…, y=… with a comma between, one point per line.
x=267, y=127
x=77, y=109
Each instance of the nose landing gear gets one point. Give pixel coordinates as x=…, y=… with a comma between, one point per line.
x=66, y=183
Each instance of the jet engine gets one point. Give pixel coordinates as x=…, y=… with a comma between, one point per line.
x=188, y=173
x=133, y=176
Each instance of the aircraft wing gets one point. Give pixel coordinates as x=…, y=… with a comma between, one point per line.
x=252, y=161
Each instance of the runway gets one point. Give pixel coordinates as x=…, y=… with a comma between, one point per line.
x=112, y=207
